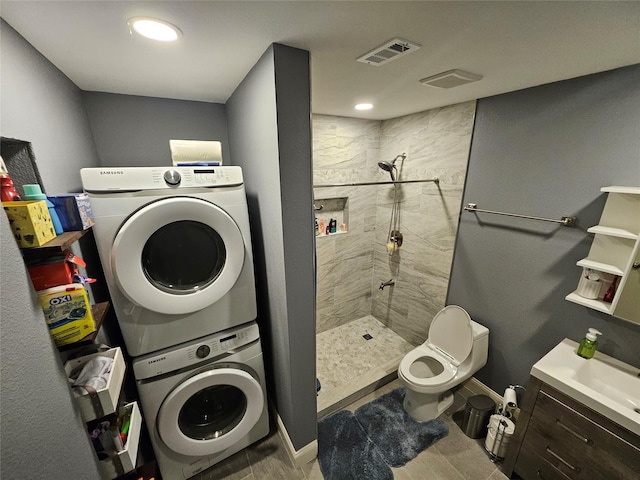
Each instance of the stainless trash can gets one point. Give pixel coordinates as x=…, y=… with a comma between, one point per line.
x=477, y=413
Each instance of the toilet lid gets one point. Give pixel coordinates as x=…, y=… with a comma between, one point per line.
x=451, y=333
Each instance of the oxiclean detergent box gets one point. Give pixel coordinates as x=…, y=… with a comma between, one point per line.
x=67, y=312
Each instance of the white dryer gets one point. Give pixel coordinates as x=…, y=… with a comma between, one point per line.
x=203, y=401
x=175, y=247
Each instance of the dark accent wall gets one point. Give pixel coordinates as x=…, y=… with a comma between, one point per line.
x=134, y=131
x=40, y=105
x=544, y=151
x=42, y=432
x=270, y=136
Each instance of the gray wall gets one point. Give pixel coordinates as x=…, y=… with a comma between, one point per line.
x=41, y=105
x=42, y=433
x=544, y=151
x=129, y=130
x=269, y=130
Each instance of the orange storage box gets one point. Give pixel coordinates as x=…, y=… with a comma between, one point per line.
x=58, y=272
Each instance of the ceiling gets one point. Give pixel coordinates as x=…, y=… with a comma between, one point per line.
x=512, y=44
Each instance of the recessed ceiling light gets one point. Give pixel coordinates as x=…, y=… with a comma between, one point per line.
x=154, y=29
x=363, y=106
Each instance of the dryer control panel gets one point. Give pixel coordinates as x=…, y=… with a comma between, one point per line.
x=191, y=353
x=126, y=179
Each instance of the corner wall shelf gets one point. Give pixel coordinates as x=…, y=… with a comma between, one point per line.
x=615, y=255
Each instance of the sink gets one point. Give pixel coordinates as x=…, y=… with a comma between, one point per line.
x=604, y=384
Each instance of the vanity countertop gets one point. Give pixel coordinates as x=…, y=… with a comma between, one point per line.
x=604, y=384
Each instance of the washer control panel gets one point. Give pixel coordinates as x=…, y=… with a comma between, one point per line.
x=191, y=353
x=112, y=180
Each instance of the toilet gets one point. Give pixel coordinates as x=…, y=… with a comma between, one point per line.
x=457, y=347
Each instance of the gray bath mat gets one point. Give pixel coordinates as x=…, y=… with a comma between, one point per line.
x=345, y=452
x=363, y=445
x=398, y=436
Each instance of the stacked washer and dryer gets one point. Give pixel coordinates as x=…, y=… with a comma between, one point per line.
x=175, y=247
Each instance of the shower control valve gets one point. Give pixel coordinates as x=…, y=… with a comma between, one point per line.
x=396, y=237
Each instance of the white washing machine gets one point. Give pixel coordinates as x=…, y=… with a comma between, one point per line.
x=203, y=401
x=176, y=251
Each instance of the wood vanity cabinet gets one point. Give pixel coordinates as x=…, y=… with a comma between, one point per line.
x=558, y=438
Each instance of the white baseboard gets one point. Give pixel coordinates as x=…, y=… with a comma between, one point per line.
x=476, y=387
x=306, y=454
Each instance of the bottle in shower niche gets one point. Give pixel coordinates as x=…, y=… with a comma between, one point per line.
x=333, y=225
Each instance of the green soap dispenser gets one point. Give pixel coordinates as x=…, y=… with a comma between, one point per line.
x=589, y=343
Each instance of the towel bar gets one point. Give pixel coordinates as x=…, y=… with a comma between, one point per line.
x=565, y=220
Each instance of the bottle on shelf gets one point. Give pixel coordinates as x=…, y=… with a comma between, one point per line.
x=8, y=189
x=34, y=192
x=611, y=291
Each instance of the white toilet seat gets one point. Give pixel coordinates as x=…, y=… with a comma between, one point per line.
x=448, y=370
x=451, y=333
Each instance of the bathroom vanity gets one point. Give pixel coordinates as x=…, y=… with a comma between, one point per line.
x=579, y=419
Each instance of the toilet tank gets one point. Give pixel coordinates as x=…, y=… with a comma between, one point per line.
x=480, y=349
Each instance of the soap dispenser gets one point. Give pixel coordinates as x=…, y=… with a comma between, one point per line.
x=589, y=343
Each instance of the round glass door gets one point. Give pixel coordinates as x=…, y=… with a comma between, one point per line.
x=183, y=257
x=177, y=255
x=210, y=411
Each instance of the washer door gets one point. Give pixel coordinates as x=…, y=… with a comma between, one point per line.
x=210, y=411
x=177, y=255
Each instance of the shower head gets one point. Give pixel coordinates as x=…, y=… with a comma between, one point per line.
x=391, y=166
x=388, y=167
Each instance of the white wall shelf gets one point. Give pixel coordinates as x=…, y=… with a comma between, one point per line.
x=615, y=252
x=613, y=232
x=601, y=267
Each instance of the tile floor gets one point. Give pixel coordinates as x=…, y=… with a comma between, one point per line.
x=344, y=359
x=455, y=457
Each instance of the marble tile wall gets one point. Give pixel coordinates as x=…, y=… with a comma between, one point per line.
x=351, y=266
x=437, y=144
x=345, y=150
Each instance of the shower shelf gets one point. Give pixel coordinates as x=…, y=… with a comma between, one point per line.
x=331, y=234
x=327, y=209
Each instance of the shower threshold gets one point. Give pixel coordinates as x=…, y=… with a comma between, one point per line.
x=349, y=365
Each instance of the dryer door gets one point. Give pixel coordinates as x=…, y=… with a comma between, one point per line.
x=177, y=255
x=210, y=411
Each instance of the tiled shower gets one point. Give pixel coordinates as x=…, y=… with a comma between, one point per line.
x=363, y=331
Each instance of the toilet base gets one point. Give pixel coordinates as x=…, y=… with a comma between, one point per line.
x=423, y=407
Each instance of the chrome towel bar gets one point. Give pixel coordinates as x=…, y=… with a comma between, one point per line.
x=358, y=184
x=565, y=220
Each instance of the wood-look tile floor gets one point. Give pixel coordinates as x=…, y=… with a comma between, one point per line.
x=455, y=457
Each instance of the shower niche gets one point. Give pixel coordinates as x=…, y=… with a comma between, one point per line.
x=332, y=216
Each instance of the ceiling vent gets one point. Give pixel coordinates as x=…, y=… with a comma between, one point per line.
x=389, y=51
x=450, y=79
